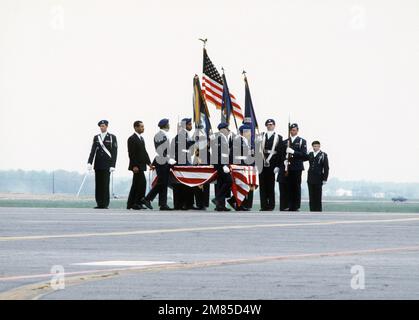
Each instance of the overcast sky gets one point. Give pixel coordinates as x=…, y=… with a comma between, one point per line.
x=346, y=71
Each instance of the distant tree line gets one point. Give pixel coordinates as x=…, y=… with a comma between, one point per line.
x=59, y=181
x=68, y=182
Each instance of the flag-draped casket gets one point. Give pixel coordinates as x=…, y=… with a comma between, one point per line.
x=245, y=178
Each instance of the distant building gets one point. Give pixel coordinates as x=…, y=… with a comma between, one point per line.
x=343, y=193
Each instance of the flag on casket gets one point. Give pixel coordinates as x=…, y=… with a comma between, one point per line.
x=194, y=176
x=245, y=178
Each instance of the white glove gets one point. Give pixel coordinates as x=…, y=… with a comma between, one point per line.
x=212, y=137
x=171, y=162
x=89, y=167
x=226, y=169
x=259, y=138
x=111, y=169
x=276, y=170
x=286, y=163
x=290, y=150
x=324, y=182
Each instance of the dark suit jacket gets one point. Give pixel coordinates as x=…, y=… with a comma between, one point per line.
x=138, y=156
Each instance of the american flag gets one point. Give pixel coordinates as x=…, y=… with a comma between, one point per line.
x=194, y=176
x=212, y=87
x=244, y=178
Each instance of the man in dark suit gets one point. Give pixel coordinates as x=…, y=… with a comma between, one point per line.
x=318, y=173
x=162, y=162
x=289, y=177
x=138, y=162
x=103, y=152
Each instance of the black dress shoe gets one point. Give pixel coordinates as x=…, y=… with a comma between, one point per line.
x=147, y=203
x=100, y=207
x=166, y=208
x=222, y=209
x=137, y=207
x=232, y=203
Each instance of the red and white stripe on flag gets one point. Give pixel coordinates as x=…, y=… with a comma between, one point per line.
x=194, y=176
x=213, y=92
x=244, y=178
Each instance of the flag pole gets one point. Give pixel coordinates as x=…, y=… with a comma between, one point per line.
x=234, y=117
x=204, y=41
x=288, y=145
x=247, y=84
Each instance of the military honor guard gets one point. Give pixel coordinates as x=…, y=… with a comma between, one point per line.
x=223, y=145
x=102, y=159
x=290, y=178
x=318, y=173
x=202, y=157
x=183, y=196
x=162, y=163
x=242, y=155
x=272, y=146
x=201, y=193
x=138, y=162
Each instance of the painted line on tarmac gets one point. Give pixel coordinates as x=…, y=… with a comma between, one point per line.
x=194, y=229
x=39, y=290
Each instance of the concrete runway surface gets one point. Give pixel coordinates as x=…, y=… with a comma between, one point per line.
x=120, y=254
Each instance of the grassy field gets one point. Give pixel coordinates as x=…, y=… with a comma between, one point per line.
x=331, y=205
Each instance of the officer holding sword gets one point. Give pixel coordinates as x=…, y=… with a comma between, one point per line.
x=102, y=159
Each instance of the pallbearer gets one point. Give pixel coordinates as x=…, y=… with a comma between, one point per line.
x=242, y=155
x=272, y=150
x=162, y=163
x=103, y=153
x=183, y=196
x=318, y=173
x=201, y=193
x=223, y=150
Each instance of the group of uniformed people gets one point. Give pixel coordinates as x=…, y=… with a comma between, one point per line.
x=271, y=154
